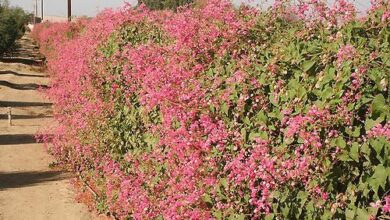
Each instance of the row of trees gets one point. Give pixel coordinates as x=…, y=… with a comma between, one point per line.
x=12, y=25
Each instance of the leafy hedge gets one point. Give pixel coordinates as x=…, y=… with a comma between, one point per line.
x=226, y=113
x=12, y=26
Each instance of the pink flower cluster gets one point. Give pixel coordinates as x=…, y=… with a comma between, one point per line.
x=384, y=204
x=346, y=52
x=386, y=207
x=380, y=131
x=339, y=13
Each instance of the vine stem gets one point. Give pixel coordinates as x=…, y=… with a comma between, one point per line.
x=93, y=192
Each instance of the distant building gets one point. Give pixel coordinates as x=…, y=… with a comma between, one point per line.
x=47, y=18
x=55, y=18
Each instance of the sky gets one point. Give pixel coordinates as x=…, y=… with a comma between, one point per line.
x=91, y=7
x=79, y=7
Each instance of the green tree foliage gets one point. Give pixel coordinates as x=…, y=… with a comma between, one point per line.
x=165, y=4
x=12, y=25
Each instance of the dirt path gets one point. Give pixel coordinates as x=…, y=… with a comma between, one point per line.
x=29, y=189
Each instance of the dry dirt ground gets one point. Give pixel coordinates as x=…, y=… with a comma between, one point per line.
x=29, y=189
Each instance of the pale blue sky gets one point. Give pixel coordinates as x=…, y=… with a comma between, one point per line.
x=91, y=7
x=79, y=7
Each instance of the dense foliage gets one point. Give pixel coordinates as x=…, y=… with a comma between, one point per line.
x=217, y=112
x=12, y=26
x=165, y=4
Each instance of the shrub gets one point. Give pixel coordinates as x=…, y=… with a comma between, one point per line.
x=217, y=112
x=12, y=26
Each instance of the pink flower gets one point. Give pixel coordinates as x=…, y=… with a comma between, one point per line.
x=386, y=206
x=380, y=130
x=376, y=205
x=346, y=52
x=325, y=196
x=385, y=16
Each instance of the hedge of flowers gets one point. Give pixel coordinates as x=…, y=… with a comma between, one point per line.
x=216, y=112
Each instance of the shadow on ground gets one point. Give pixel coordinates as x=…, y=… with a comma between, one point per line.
x=24, y=179
x=16, y=139
x=24, y=104
x=26, y=61
x=20, y=74
x=5, y=116
x=27, y=86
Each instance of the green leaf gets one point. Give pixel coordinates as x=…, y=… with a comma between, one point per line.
x=362, y=214
x=366, y=150
x=326, y=215
x=302, y=196
x=263, y=135
x=370, y=124
x=329, y=76
x=378, y=105
x=246, y=121
x=379, y=177
x=247, y=198
x=327, y=93
x=269, y=217
x=285, y=211
x=301, y=91
x=239, y=217
x=243, y=134
x=344, y=156
x=223, y=182
x=261, y=117
x=350, y=214
x=293, y=84
x=378, y=145
x=354, y=153
x=253, y=135
x=212, y=108
x=339, y=142
x=207, y=198
x=307, y=65
x=225, y=109
x=356, y=132
x=217, y=214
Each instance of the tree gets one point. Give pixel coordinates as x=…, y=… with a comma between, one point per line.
x=12, y=25
x=4, y=4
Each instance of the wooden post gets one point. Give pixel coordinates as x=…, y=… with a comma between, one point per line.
x=42, y=9
x=9, y=116
x=36, y=12
x=69, y=10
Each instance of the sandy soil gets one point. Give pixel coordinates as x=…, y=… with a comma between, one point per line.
x=29, y=189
